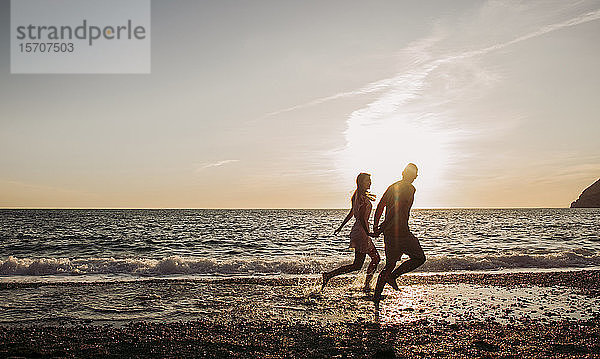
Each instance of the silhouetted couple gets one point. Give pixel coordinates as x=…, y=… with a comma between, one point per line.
x=397, y=201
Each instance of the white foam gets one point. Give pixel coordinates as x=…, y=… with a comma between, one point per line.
x=13, y=266
x=165, y=266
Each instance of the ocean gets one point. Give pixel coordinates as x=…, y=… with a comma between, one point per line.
x=168, y=264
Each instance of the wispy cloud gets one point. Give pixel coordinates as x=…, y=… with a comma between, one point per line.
x=582, y=19
x=369, y=88
x=420, y=47
x=214, y=164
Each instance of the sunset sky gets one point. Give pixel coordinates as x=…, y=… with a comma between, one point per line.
x=280, y=104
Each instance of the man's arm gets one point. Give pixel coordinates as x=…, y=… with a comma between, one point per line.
x=379, y=211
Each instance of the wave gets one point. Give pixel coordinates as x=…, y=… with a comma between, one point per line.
x=150, y=267
x=566, y=259
x=13, y=266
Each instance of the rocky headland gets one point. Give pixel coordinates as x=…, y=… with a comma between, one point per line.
x=589, y=198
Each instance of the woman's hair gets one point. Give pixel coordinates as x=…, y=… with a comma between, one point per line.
x=360, y=190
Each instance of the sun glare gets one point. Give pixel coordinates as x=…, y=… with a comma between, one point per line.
x=383, y=148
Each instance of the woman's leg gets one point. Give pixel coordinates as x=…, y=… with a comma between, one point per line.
x=359, y=259
x=375, y=258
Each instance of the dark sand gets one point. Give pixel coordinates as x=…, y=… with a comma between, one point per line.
x=246, y=337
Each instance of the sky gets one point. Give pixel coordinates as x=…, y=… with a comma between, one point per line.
x=280, y=104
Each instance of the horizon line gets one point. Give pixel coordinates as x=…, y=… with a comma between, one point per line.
x=266, y=208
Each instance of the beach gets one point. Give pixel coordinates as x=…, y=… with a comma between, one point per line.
x=512, y=314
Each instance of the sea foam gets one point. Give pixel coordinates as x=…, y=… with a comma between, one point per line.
x=13, y=266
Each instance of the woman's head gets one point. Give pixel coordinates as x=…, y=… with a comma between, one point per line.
x=363, y=182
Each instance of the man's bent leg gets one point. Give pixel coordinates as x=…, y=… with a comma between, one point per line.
x=413, y=249
x=407, y=266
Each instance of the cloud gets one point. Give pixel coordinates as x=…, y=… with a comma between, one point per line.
x=419, y=52
x=582, y=19
x=369, y=88
x=214, y=164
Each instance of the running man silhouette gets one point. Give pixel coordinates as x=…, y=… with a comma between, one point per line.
x=397, y=201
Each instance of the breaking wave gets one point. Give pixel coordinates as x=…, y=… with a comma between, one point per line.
x=13, y=266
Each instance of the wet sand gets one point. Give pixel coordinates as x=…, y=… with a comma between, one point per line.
x=513, y=330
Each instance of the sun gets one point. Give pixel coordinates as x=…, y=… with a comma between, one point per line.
x=383, y=148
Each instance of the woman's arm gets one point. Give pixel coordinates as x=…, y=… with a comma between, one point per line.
x=348, y=216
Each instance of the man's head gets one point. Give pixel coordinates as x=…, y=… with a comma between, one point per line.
x=410, y=172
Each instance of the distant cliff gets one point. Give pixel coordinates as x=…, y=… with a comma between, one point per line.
x=589, y=198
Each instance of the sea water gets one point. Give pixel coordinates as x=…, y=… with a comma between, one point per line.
x=58, y=265
x=266, y=242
